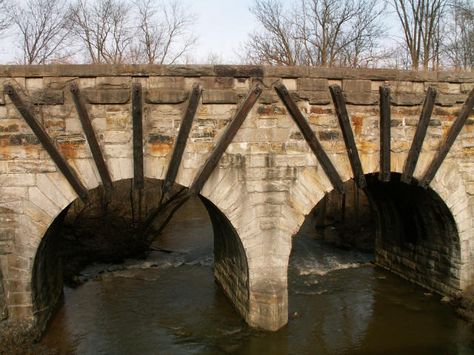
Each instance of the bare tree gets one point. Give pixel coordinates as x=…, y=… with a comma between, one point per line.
x=104, y=29
x=316, y=32
x=277, y=43
x=164, y=33
x=43, y=29
x=459, y=46
x=420, y=21
x=5, y=14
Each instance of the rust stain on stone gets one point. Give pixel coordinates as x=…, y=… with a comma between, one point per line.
x=320, y=110
x=357, y=122
x=70, y=150
x=367, y=147
x=160, y=148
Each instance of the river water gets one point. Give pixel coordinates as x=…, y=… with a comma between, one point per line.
x=339, y=303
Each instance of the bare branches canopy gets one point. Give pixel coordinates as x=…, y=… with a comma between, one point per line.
x=416, y=34
x=432, y=34
x=316, y=32
x=100, y=31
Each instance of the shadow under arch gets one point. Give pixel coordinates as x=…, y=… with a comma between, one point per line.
x=48, y=274
x=414, y=233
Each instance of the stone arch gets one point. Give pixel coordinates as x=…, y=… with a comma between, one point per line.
x=446, y=191
x=47, y=207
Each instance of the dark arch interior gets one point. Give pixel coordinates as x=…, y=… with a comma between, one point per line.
x=416, y=235
x=410, y=229
x=107, y=229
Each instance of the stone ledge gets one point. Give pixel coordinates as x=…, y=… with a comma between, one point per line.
x=259, y=71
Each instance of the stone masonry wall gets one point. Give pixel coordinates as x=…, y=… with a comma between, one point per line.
x=267, y=180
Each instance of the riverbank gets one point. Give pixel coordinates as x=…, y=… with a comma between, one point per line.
x=21, y=339
x=465, y=305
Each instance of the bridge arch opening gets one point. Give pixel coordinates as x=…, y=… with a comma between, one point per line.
x=107, y=229
x=400, y=227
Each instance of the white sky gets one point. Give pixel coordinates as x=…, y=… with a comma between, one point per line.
x=222, y=26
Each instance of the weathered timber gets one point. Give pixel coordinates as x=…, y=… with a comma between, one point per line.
x=225, y=139
x=310, y=137
x=47, y=143
x=90, y=135
x=180, y=145
x=385, y=117
x=348, y=135
x=137, y=121
x=449, y=141
x=419, y=137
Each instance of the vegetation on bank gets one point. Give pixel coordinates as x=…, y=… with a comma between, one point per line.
x=21, y=339
x=465, y=305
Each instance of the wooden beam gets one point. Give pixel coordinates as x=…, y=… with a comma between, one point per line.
x=183, y=134
x=137, y=121
x=449, y=141
x=47, y=143
x=90, y=135
x=420, y=133
x=310, y=138
x=348, y=135
x=385, y=119
x=225, y=140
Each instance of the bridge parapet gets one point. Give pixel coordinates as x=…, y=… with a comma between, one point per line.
x=265, y=174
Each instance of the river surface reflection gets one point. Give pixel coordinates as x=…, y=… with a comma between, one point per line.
x=170, y=304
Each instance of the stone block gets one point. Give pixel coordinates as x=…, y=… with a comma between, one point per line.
x=41, y=201
x=51, y=190
x=165, y=96
x=449, y=99
x=167, y=82
x=110, y=96
x=47, y=97
x=57, y=83
x=311, y=84
x=7, y=234
x=446, y=88
x=219, y=97
x=314, y=97
x=21, y=312
x=466, y=88
x=217, y=82
x=361, y=98
x=34, y=83
x=329, y=135
x=356, y=85
x=17, y=180
x=111, y=82
x=406, y=99
x=291, y=84
x=117, y=136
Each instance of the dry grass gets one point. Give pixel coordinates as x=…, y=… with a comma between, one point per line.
x=21, y=339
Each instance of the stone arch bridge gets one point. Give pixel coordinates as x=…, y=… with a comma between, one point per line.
x=260, y=145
